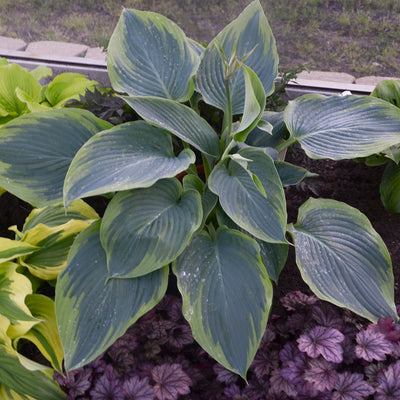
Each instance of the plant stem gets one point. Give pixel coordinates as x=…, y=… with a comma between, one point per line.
x=284, y=145
x=227, y=121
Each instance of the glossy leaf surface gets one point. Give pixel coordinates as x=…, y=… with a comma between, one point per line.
x=260, y=211
x=250, y=32
x=93, y=311
x=178, y=119
x=37, y=149
x=226, y=296
x=131, y=155
x=145, y=229
x=342, y=127
x=343, y=259
x=149, y=55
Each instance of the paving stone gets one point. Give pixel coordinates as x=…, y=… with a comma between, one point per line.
x=96, y=53
x=372, y=80
x=7, y=43
x=327, y=76
x=57, y=49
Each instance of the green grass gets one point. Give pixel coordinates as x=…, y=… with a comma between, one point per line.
x=361, y=37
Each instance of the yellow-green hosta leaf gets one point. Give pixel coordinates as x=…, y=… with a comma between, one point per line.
x=36, y=150
x=388, y=90
x=4, y=325
x=8, y=394
x=30, y=102
x=14, y=287
x=54, y=243
x=11, y=249
x=249, y=33
x=342, y=127
x=128, y=156
x=343, y=259
x=41, y=72
x=44, y=334
x=67, y=86
x=56, y=214
x=145, y=229
x=34, y=383
x=13, y=76
x=149, y=55
x=226, y=296
x=92, y=310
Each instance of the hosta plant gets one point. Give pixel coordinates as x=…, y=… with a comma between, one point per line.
x=28, y=265
x=222, y=225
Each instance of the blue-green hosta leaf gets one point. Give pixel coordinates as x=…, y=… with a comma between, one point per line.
x=13, y=76
x=178, y=119
x=260, y=211
x=343, y=259
x=44, y=334
x=253, y=106
x=249, y=32
x=149, y=55
x=390, y=187
x=226, y=296
x=56, y=215
x=388, y=90
x=274, y=255
x=145, y=229
x=342, y=127
x=292, y=174
x=93, y=311
x=393, y=153
x=36, y=150
x=30, y=384
x=128, y=156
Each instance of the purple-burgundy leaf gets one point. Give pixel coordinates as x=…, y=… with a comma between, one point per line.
x=372, y=345
x=171, y=381
x=321, y=374
x=138, y=389
x=351, y=387
x=322, y=341
x=388, y=383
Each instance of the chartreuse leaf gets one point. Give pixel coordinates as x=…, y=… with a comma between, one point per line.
x=178, y=119
x=44, y=334
x=260, y=211
x=343, y=259
x=128, y=156
x=149, y=55
x=253, y=106
x=14, y=287
x=341, y=127
x=36, y=150
x=41, y=72
x=4, y=325
x=67, y=86
x=145, y=229
x=36, y=384
x=249, y=33
x=390, y=188
x=388, y=90
x=56, y=214
x=11, y=249
x=93, y=311
x=54, y=243
x=13, y=76
x=226, y=296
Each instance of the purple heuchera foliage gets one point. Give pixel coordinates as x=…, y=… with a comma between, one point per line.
x=322, y=341
x=311, y=350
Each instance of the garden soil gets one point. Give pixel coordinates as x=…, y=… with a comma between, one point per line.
x=351, y=182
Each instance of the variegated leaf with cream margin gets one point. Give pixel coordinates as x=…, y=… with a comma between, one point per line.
x=93, y=310
x=250, y=34
x=226, y=296
x=149, y=55
x=342, y=258
x=46, y=142
x=145, y=229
